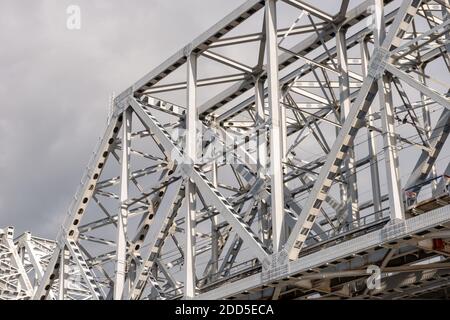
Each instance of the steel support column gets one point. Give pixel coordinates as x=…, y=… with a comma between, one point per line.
x=390, y=149
x=387, y=120
x=427, y=122
x=344, y=99
x=62, y=273
x=371, y=142
x=262, y=155
x=191, y=154
x=276, y=144
x=122, y=222
x=215, y=233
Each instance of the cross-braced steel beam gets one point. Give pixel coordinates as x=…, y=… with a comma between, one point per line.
x=286, y=170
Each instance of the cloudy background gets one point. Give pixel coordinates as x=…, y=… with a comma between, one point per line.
x=55, y=86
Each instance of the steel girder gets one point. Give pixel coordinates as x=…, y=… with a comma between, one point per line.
x=14, y=282
x=270, y=187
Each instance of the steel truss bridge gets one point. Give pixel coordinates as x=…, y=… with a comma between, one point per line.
x=282, y=154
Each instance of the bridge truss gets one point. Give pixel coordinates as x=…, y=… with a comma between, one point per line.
x=280, y=155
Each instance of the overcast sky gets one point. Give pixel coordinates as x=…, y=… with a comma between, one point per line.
x=55, y=86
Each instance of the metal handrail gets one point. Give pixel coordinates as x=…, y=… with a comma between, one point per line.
x=359, y=224
x=418, y=193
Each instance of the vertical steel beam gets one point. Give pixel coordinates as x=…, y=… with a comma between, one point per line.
x=344, y=100
x=371, y=142
x=122, y=220
x=388, y=125
x=62, y=275
x=262, y=156
x=446, y=16
x=276, y=169
x=191, y=153
x=427, y=122
x=390, y=149
x=214, y=230
x=262, y=134
x=284, y=147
